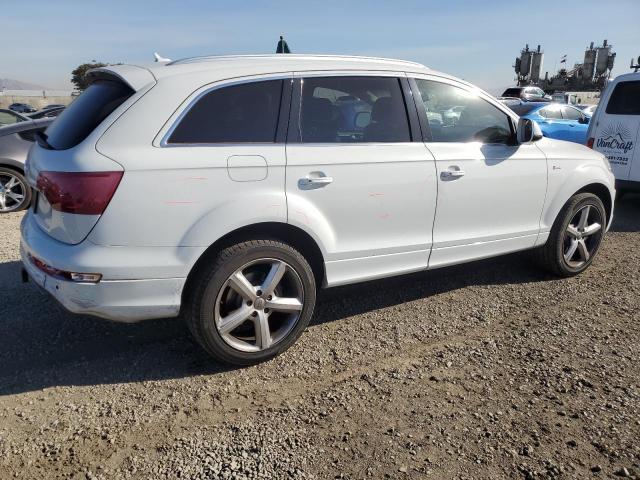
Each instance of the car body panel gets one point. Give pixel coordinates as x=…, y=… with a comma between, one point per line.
x=383, y=214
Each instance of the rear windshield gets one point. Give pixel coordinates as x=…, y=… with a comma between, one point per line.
x=625, y=99
x=86, y=112
x=522, y=109
x=512, y=92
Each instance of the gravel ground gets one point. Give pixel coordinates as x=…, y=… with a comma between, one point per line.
x=489, y=370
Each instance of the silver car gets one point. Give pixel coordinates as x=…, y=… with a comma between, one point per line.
x=15, y=142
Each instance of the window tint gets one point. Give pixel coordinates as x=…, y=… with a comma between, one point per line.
x=86, y=112
x=353, y=109
x=245, y=113
x=569, y=113
x=625, y=99
x=476, y=121
x=552, y=112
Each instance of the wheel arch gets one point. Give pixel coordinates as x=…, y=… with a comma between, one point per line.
x=284, y=232
x=603, y=193
x=12, y=164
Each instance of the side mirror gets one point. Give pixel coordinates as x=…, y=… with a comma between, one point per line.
x=584, y=119
x=528, y=131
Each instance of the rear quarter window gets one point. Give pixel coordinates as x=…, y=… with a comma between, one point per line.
x=86, y=112
x=625, y=99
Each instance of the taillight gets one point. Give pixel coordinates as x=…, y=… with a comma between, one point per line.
x=590, y=142
x=84, y=193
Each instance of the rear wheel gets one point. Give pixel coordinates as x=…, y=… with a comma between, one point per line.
x=15, y=193
x=251, y=302
x=575, y=237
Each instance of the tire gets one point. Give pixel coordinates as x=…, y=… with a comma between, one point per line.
x=17, y=186
x=553, y=255
x=227, y=317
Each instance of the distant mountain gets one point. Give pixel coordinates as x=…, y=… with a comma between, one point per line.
x=11, y=84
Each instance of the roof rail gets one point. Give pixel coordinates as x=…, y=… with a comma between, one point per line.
x=206, y=58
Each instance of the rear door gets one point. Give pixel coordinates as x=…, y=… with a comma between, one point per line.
x=358, y=174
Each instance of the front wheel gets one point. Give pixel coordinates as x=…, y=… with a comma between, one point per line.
x=575, y=237
x=251, y=302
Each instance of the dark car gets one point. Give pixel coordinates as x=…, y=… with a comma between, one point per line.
x=527, y=94
x=47, y=112
x=15, y=142
x=9, y=117
x=22, y=108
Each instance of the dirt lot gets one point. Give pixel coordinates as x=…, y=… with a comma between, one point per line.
x=489, y=370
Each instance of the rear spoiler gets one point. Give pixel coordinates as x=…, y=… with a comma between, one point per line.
x=134, y=76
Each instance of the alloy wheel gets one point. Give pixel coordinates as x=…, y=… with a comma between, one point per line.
x=12, y=192
x=582, y=236
x=259, y=305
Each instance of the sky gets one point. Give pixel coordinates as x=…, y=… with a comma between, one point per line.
x=477, y=40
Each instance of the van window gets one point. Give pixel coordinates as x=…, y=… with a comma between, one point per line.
x=245, y=113
x=353, y=110
x=625, y=99
x=476, y=120
x=86, y=112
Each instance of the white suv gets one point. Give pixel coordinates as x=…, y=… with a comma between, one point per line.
x=227, y=189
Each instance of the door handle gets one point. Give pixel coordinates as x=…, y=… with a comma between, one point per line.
x=314, y=180
x=451, y=174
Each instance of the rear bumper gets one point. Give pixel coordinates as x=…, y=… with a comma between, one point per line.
x=120, y=299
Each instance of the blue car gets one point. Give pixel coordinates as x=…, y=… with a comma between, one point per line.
x=556, y=120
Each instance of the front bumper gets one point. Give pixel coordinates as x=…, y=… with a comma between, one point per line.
x=124, y=300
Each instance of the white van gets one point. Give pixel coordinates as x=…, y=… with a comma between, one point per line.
x=614, y=128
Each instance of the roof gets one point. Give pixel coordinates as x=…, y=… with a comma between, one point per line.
x=214, y=68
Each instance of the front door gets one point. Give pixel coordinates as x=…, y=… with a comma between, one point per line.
x=359, y=177
x=490, y=190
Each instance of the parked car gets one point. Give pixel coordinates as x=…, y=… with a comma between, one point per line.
x=15, y=142
x=167, y=191
x=615, y=129
x=22, y=108
x=48, y=112
x=527, y=94
x=556, y=120
x=9, y=117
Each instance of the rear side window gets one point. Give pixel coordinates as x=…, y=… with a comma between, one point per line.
x=86, y=112
x=625, y=99
x=552, y=111
x=245, y=113
x=522, y=109
x=353, y=110
x=458, y=115
x=569, y=113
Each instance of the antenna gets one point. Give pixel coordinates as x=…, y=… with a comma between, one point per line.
x=160, y=59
